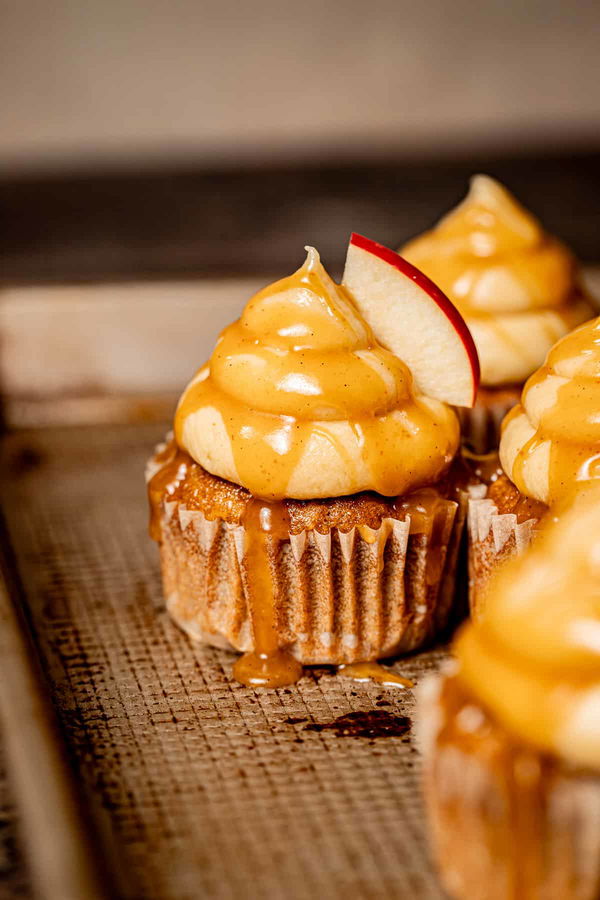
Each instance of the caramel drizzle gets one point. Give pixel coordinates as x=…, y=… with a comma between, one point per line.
x=266, y=525
x=483, y=467
x=571, y=424
x=173, y=467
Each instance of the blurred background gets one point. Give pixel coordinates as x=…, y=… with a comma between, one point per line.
x=138, y=131
x=139, y=81
x=161, y=159
x=191, y=149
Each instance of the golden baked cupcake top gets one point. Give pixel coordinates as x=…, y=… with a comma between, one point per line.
x=516, y=286
x=300, y=400
x=534, y=657
x=550, y=444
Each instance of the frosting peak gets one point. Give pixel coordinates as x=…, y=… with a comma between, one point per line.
x=489, y=221
x=306, y=311
x=299, y=400
x=551, y=441
x=492, y=256
x=303, y=346
x=534, y=657
x=515, y=285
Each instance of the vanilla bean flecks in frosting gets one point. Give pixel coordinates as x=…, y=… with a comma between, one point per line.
x=550, y=442
x=534, y=658
x=516, y=286
x=299, y=400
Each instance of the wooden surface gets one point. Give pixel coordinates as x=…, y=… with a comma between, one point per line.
x=207, y=786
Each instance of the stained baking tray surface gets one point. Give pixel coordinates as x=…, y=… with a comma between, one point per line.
x=208, y=788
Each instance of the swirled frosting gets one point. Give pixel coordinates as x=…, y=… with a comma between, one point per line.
x=534, y=658
x=550, y=442
x=515, y=285
x=299, y=400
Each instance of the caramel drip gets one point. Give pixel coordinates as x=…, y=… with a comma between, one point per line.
x=561, y=401
x=490, y=255
x=266, y=525
x=484, y=467
x=174, y=464
x=372, y=671
x=423, y=508
x=301, y=401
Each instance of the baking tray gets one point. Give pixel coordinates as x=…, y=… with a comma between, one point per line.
x=174, y=781
x=14, y=878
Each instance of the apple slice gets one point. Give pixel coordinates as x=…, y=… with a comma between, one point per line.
x=411, y=316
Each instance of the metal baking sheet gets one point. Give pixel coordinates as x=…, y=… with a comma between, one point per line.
x=200, y=786
x=14, y=877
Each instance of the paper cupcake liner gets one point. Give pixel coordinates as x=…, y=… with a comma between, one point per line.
x=505, y=820
x=494, y=538
x=480, y=426
x=340, y=597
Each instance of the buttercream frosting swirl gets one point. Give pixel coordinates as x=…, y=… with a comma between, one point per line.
x=299, y=400
x=516, y=286
x=550, y=442
x=534, y=658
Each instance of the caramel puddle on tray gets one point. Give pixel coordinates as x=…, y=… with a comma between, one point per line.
x=372, y=671
x=375, y=723
x=269, y=664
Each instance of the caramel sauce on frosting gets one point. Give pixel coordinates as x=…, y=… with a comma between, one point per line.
x=550, y=442
x=299, y=400
x=534, y=658
x=516, y=286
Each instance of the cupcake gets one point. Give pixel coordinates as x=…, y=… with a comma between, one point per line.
x=517, y=288
x=511, y=734
x=549, y=448
x=307, y=508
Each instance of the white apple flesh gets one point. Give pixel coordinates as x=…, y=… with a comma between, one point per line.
x=411, y=316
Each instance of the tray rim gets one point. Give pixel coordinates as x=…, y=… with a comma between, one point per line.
x=63, y=858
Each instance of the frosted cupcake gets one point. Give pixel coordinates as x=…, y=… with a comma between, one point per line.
x=511, y=736
x=306, y=508
x=517, y=287
x=549, y=449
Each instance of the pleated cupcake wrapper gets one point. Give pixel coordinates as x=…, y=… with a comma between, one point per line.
x=504, y=820
x=340, y=596
x=494, y=538
x=480, y=425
